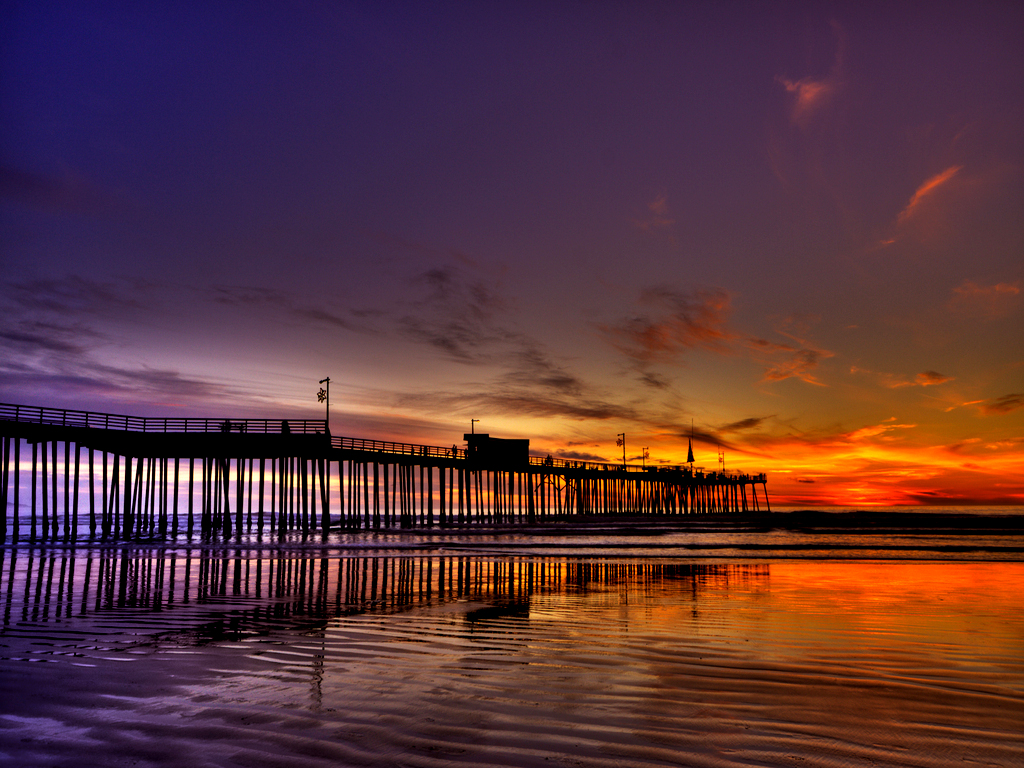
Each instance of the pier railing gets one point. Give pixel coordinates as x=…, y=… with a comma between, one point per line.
x=70, y=418
x=399, y=449
x=91, y=419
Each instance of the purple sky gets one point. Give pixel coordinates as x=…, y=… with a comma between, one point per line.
x=798, y=225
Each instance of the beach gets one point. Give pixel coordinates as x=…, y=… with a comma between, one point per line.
x=561, y=647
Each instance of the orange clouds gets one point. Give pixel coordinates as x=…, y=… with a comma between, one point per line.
x=892, y=381
x=686, y=320
x=809, y=96
x=698, y=319
x=928, y=188
x=886, y=463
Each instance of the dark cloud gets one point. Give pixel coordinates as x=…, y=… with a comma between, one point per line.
x=517, y=402
x=742, y=424
x=70, y=193
x=111, y=383
x=242, y=296
x=458, y=316
x=1003, y=404
x=654, y=380
x=27, y=342
x=931, y=378
x=75, y=295
x=581, y=456
x=533, y=367
x=957, y=499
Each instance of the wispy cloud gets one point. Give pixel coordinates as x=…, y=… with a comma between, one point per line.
x=75, y=296
x=70, y=193
x=810, y=95
x=894, y=381
x=517, y=401
x=876, y=430
x=798, y=358
x=680, y=321
x=287, y=304
x=658, y=218
x=987, y=302
x=459, y=315
x=928, y=188
x=744, y=424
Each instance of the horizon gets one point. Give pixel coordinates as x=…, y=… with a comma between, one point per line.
x=794, y=233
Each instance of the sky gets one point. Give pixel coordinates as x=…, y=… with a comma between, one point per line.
x=792, y=231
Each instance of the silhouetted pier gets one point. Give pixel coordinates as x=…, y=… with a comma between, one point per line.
x=74, y=474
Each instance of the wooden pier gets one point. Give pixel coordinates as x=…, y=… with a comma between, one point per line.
x=76, y=475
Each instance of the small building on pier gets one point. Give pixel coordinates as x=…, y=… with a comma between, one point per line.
x=486, y=452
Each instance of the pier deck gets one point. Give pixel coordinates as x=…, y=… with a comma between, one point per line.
x=76, y=474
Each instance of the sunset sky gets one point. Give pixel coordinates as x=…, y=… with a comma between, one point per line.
x=797, y=227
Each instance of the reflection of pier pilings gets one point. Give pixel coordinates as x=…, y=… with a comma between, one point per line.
x=37, y=584
x=71, y=475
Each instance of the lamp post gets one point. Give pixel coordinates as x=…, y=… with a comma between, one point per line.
x=620, y=439
x=472, y=424
x=645, y=455
x=324, y=396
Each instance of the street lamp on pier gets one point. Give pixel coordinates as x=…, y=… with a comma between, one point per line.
x=324, y=396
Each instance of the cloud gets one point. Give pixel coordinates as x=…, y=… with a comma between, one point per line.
x=684, y=320
x=459, y=316
x=931, y=378
x=926, y=189
x=533, y=367
x=876, y=430
x=744, y=424
x=242, y=296
x=582, y=456
x=1004, y=404
x=70, y=193
x=515, y=401
x=785, y=361
x=893, y=381
x=74, y=295
x=810, y=95
x=654, y=380
x=31, y=338
x=987, y=302
x=798, y=365
x=658, y=217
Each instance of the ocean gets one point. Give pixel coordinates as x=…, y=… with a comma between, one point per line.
x=836, y=638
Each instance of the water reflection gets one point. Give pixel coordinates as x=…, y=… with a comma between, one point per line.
x=245, y=658
x=41, y=585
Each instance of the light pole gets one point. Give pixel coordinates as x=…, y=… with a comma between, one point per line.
x=472, y=424
x=645, y=455
x=324, y=396
x=620, y=439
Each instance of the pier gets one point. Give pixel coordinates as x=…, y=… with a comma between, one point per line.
x=74, y=475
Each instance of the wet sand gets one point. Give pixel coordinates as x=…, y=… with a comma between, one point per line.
x=137, y=657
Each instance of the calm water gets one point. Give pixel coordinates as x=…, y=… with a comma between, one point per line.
x=628, y=646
